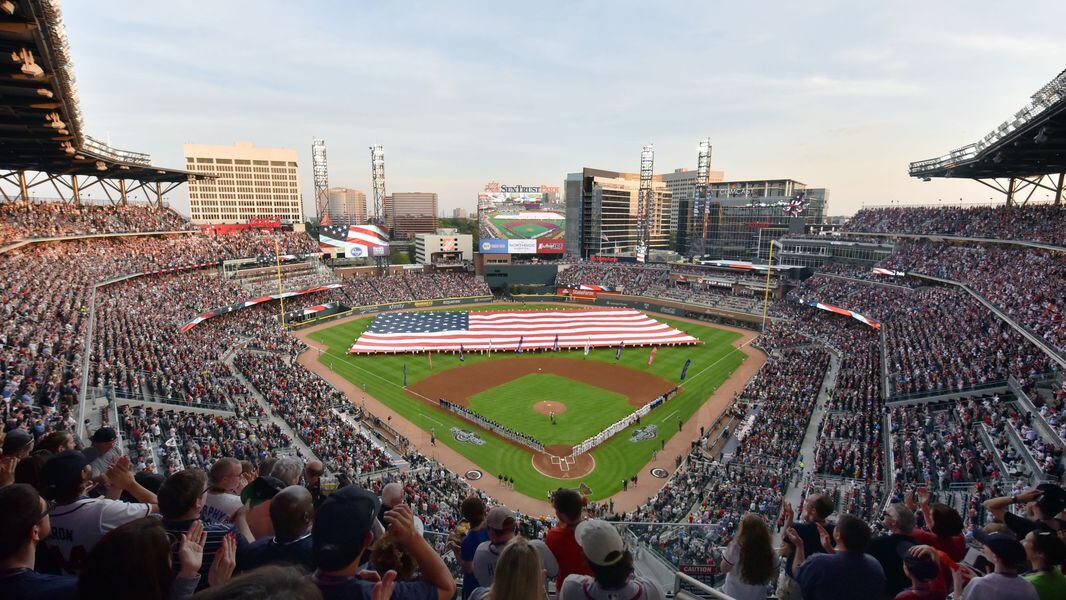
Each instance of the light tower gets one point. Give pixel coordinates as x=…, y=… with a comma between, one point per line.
x=377, y=176
x=701, y=210
x=321, y=177
x=645, y=198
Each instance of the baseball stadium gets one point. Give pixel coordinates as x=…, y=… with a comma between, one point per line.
x=211, y=390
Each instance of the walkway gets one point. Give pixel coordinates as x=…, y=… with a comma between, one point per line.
x=810, y=437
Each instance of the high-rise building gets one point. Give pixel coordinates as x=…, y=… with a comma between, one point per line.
x=682, y=186
x=411, y=212
x=346, y=206
x=248, y=183
x=601, y=213
x=459, y=213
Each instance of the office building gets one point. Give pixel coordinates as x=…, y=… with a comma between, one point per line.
x=601, y=213
x=459, y=213
x=682, y=186
x=249, y=183
x=346, y=206
x=411, y=212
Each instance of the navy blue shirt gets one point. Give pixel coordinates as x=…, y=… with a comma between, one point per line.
x=841, y=576
x=352, y=588
x=467, y=549
x=26, y=584
x=267, y=551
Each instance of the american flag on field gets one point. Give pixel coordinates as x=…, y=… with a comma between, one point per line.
x=505, y=330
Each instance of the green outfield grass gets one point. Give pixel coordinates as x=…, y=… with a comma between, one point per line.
x=382, y=378
x=511, y=404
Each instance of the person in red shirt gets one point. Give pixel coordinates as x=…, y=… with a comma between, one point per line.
x=560, y=539
x=943, y=531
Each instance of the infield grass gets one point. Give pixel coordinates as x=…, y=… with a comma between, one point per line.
x=617, y=459
x=589, y=411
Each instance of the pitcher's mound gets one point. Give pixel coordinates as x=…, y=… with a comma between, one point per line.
x=545, y=407
x=556, y=462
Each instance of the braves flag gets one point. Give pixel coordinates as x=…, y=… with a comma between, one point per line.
x=588, y=341
x=651, y=357
x=520, y=340
x=684, y=370
x=796, y=205
x=460, y=353
x=429, y=356
x=618, y=353
x=405, y=375
x=555, y=346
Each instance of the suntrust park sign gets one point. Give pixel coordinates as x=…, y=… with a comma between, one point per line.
x=494, y=187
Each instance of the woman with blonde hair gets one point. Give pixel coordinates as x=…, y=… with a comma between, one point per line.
x=518, y=575
x=750, y=561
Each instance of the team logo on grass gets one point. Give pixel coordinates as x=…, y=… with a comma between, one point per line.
x=473, y=474
x=643, y=434
x=467, y=437
x=659, y=472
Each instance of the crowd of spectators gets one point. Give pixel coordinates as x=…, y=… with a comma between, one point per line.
x=1025, y=283
x=27, y=220
x=1038, y=223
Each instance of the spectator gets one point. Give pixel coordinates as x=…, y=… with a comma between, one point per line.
x=1043, y=504
x=611, y=564
x=103, y=450
x=56, y=442
x=343, y=529
x=18, y=443
x=569, y=508
x=749, y=561
x=518, y=574
x=501, y=526
x=899, y=521
x=816, y=511
x=25, y=525
x=78, y=522
x=921, y=570
x=134, y=561
x=224, y=484
x=1007, y=555
x=292, y=512
x=180, y=503
x=473, y=511
x=272, y=582
x=1046, y=552
x=313, y=471
x=391, y=497
x=847, y=572
x=283, y=473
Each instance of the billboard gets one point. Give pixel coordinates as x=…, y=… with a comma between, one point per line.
x=519, y=219
x=356, y=241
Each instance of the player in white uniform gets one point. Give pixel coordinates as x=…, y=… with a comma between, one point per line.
x=612, y=566
x=78, y=522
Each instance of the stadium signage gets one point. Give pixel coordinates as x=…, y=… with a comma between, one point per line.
x=643, y=434
x=550, y=246
x=467, y=437
x=494, y=187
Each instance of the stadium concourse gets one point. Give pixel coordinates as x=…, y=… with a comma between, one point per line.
x=944, y=419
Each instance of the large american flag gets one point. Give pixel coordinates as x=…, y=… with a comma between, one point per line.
x=503, y=330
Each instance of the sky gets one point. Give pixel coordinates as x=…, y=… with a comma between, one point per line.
x=841, y=95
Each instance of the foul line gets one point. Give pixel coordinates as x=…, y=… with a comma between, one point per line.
x=737, y=349
x=432, y=419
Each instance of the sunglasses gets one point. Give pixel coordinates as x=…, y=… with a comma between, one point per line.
x=48, y=506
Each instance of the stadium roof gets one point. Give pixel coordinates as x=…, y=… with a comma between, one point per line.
x=1031, y=143
x=41, y=127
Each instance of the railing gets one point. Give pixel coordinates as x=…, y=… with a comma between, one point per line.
x=117, y=397
x=948, y=394
x=1046, y=431
x=686, y=588
x=125, y=156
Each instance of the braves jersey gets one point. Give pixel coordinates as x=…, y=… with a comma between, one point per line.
x=487, y=554
x=583, y=587
x=220, y=506
x=76, y=527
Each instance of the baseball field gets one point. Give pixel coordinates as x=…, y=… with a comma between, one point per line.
x=559, y=398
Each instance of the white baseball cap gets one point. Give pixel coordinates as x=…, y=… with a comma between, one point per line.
x=600, y=541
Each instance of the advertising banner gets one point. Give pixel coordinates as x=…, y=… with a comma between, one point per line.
x=522, y=246
x=493, y=246
x=550, y=246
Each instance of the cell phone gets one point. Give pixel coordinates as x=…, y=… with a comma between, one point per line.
x=975, y=561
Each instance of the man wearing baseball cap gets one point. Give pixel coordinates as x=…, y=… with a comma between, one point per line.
x=346, y=525
x=18, y=444
x=103, y=450
x=501, y=523
x=1043, y=503
x=1008, y=555
x=612, y=568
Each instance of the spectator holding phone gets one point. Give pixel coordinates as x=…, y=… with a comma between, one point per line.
x=1007, y=556
x=1042, y=504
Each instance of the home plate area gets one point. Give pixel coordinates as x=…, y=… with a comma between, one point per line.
x=557, y=462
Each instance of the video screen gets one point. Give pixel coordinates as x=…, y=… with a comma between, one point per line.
x=521, y=222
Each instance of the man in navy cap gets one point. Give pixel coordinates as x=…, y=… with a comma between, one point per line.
x=346, y=524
